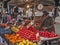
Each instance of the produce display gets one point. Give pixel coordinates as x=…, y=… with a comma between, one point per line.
x=16, y=28
x=27, y=34
x=14, y=37
x=47, y=34
x=21, y=35
x=24, y=26
x=33, y=29
x=26, y=42
x=43, y=33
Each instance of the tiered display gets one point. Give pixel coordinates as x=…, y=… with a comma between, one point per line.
x=21, y=35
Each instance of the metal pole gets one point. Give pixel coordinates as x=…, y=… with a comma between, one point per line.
x=34, y=9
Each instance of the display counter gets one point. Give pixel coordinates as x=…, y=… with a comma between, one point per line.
x=50, y=41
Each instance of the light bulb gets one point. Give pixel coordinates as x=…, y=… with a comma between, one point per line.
x=28, y=6
x=26, y=0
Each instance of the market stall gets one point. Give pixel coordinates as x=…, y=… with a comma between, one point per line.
x=27, y=31
x=29, y=35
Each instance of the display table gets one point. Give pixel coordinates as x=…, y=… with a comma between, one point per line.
x=49, y=40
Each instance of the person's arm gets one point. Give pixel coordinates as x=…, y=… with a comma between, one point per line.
x=41, y=25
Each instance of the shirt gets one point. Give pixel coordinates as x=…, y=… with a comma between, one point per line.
x=48, y=22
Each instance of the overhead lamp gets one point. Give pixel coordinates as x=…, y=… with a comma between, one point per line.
x=26, y=0
x=28, y=6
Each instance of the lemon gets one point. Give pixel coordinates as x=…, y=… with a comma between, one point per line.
x=24, y=41
x=27, y=44
x=27, y=41
x=34, y=44
x=19, y=26
x=21, y=43
x=31, y=43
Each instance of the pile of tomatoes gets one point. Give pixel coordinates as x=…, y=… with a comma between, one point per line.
x=27, y=34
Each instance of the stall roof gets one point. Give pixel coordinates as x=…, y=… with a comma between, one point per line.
x=48, y=4
x=44, y=2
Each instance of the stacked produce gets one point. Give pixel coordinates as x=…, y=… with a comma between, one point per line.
x=27, y=34
x=26, y=42
x=43, y=33
x=33, y=29
x=48, y=34
x=16, y=28
x=14, y=37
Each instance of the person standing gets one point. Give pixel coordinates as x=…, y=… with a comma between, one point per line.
x=19, y=17
x=47, y=23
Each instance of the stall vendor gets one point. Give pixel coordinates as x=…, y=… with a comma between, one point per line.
x=47, y=22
